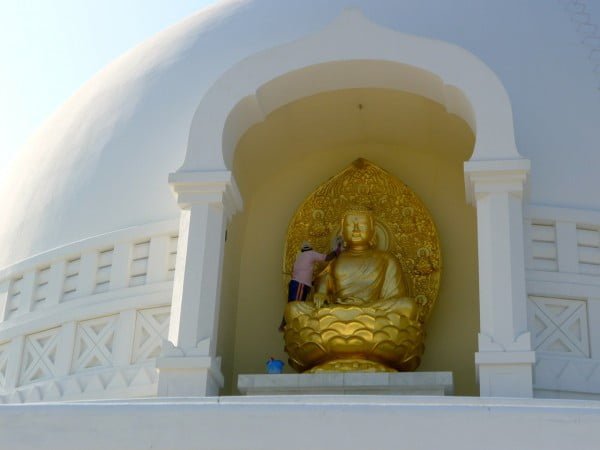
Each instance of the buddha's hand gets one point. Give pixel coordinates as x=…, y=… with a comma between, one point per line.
x=320, y=300
x=350, y=301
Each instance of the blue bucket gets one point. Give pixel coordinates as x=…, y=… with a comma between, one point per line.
x=275, y=366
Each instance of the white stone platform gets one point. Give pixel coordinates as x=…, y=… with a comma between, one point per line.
x=296, y=422
x=406, y=383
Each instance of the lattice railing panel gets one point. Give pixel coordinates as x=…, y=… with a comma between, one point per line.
x=39, y=356
x=151, y=327
x=14, y=296
x=172, y=257
x=139, y=263
x=559, y=326
x=94, y=343
x=4, y=349
x=42, y=279
x=588, y=250
x=543, y=246
x=71, y=277
x=105, y=260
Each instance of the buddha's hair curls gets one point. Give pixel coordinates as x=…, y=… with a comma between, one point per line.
x=359, y=210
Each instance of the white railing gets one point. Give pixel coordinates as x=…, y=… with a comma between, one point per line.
x=87, y=320
x=563, y=282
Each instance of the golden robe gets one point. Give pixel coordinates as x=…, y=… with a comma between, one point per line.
x=370, y=277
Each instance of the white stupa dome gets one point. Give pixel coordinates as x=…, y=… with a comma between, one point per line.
x=101, y=161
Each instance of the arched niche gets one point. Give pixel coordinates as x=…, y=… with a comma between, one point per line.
x=351, y=53
x=281, y=160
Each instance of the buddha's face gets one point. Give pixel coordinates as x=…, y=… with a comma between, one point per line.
x=357, y=230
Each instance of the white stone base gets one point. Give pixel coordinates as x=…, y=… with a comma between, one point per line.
x=505, y=374
x=413, y=383
x=189, y=376
x=299, y=422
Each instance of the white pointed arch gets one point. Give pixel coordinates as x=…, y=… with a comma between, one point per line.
x=351, y=52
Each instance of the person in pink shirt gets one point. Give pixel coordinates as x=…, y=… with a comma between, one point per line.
x=302, y=273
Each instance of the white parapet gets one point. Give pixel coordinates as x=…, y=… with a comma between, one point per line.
x=563, y=286
x=86, y=321
x=303, y=422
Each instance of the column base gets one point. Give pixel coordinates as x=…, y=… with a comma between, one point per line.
x=505, y=374
x=189, y=376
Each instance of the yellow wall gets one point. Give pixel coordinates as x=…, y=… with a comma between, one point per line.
x=229, y=298
x=282, y=160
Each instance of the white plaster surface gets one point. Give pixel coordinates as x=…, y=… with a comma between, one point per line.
x=301, y=422
x=563, y=286
x=100, y=164
x=351, y=52
x=73, y=330
x=413, y=383
x=111, y=146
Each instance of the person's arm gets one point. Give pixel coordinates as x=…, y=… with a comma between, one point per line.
x=331, y=256
x=335, y=252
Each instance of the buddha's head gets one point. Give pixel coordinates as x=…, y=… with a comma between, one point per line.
x=358, y=228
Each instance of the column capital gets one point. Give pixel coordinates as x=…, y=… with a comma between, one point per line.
x=486, y=177
x=199, y=188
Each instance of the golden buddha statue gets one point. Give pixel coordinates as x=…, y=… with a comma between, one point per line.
x=367, y=310
x=362, y=274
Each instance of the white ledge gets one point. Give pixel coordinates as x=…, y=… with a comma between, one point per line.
x=300, y=422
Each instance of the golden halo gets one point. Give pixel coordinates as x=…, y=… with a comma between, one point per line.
x=403, y=225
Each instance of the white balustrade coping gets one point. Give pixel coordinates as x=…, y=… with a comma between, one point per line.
x=66, y=279
x=99, y=242
x=583, y=217
x=97, y=305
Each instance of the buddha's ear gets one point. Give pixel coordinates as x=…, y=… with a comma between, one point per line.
x=373, y=241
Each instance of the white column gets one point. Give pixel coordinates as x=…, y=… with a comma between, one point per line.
x=189, y=364
x=505, y=358
x=27, y=291
x=13, y=368
x=158, y=259
x=593, y=306
x=64, y=358
x=56, y=282
x=124, y=338
x=4, y=292
x=566, y=247
x=121, y=266
x=88, y=270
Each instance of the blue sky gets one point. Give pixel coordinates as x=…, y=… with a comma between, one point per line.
x=49, y=48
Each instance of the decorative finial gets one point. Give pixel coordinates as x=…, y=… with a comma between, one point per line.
x=360, y=163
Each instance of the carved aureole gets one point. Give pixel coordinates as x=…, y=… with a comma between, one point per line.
x=369, y=306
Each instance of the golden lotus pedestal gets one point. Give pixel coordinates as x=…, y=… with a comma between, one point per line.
x=348, y=338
